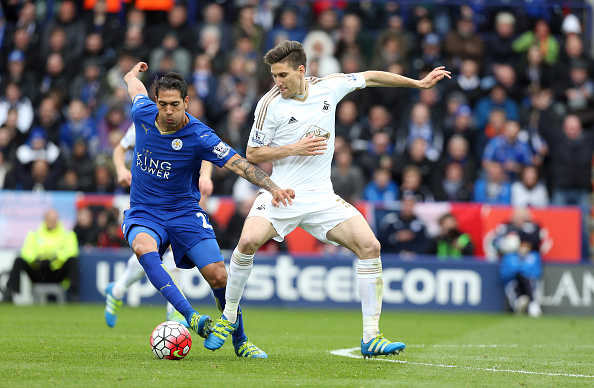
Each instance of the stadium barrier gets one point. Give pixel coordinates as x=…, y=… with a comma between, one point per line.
x=292, y=281
x=329, y=282
x=568, y=289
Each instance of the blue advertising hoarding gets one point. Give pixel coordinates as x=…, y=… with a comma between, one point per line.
x=328, y=281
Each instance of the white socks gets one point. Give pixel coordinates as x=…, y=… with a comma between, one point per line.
x=371, y=289
x=239, y=272
x=133, y=273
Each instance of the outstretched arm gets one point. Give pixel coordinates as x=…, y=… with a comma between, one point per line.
x=307, y=146
x=391, y=80
x=255, y=175
x=135, y=86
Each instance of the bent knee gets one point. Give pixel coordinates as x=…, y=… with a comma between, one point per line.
x=144, y=243
x=142, y=247
x=370, y=248
x=248, y=244
x=218, y=280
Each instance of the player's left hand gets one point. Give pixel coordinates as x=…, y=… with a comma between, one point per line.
x=434, y=77
x=284, y=196
x=141, y=67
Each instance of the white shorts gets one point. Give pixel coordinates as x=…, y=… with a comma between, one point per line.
x=316, y=212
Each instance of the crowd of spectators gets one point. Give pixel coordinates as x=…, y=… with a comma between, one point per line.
x=513, y=126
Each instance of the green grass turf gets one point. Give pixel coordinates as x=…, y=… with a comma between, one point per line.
x=70, y=346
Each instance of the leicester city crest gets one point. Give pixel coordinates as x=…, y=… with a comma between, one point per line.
x=177, y=144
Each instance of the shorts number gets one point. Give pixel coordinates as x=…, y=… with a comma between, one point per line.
x=205, y=223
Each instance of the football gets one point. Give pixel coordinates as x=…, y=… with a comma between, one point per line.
x=171, y=340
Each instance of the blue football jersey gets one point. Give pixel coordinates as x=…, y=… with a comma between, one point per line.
x=166, y=166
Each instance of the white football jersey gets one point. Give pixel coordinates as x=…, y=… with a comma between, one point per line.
x=279, y=122
x=129, y=139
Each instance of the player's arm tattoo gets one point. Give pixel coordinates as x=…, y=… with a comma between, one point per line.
x=254, y=174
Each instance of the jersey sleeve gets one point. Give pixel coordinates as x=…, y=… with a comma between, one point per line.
x=344, y=84
x=129, y=139
x=142, y=105
x=213, y=149
x=264, y=123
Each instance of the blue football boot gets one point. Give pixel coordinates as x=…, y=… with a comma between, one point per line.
x=112, y=306
x=245, y=348
x=219, y=333
x=379, y=346
x=201, y=324
x=175, y=316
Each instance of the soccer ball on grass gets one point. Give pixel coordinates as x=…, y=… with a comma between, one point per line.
x=171, y=340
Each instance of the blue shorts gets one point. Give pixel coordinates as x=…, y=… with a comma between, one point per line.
x=135, y=230
x=183, y=229
x=206, y=252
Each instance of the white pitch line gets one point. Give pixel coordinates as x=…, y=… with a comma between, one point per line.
x=462, y=346
x=349, y=353
x=491, y=346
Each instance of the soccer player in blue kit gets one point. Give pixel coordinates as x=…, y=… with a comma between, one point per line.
x=170, y=147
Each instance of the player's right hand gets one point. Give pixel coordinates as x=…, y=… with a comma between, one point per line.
x=283, y=196
x=434, y=77
x=310, y=145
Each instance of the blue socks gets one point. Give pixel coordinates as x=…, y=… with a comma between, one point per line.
x=187, y=313
x=238, y=335
x=162, y=281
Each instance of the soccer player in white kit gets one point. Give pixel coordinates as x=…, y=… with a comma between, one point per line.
x=294, y=129
x=115, y=291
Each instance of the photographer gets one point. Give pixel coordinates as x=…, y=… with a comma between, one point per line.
x=451, y=244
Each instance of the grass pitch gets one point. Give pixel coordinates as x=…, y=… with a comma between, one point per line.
x=70, y=346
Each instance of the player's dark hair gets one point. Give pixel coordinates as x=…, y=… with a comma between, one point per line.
x=171, y=81
x=288, y=51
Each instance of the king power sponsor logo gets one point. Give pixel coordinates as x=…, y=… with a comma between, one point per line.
x=158, y=168
x=287, y=281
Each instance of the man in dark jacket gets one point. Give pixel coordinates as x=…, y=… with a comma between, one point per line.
x=571, y=164
x=403, y=232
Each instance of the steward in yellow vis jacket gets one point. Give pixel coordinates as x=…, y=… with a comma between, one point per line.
x=49, y=255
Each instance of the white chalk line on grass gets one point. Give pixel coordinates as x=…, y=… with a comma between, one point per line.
x=462, y=346
x=349, y=353
x=492, y=346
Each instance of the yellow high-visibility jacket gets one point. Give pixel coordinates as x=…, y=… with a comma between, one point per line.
x=57, y=245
